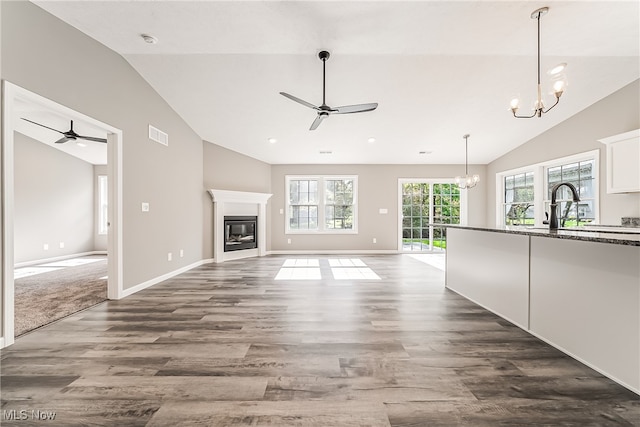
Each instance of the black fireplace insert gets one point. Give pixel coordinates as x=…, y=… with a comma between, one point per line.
x=240, y=232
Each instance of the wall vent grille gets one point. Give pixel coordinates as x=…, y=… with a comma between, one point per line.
x=158, y=136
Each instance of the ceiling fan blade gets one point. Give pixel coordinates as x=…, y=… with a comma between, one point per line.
x=317, y=121
x=63, y=140
x=358, y=108
x=299, y=101
x=92, y=138
x=35, y=123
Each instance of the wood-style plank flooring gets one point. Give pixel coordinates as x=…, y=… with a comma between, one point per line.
x=227, y=345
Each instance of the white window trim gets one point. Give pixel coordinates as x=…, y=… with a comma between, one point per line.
x=321, y=204
x=539, y=183
x=103, y=226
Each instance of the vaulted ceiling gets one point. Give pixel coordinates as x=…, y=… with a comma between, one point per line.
x=438, y=69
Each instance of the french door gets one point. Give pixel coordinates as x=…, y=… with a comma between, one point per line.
x=424, y=205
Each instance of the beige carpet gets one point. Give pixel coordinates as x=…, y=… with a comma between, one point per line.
x=43, y=298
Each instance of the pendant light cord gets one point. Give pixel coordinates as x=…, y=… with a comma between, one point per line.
x=466, y=155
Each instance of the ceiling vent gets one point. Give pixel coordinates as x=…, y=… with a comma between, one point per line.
x=157, y=135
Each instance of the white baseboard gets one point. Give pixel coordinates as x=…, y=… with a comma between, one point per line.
x=58, y=258
x=137, y=288
x=336, y=252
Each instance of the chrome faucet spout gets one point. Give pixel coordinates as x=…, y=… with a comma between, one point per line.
x=553, y=220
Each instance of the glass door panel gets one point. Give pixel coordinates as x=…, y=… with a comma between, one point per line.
x=424, y=206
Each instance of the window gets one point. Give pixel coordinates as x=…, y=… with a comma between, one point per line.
x=524, y=194
x=321, y=204
x=103, y=205
x=518, y=199
x=303, y=204
x=582, y=175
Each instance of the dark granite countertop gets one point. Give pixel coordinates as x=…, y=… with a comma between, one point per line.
x=612, y=237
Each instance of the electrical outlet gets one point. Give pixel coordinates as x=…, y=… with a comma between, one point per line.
x=145, y=207
x=375, y=240
x=169, y=256
x=45, y=247
x=61, y=245
x=288, y=241
x=181, y=253
x=281, y=211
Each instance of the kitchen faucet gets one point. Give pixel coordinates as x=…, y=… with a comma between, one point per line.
x=553, y=221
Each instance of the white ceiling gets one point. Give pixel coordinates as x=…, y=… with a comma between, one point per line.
x=438, y=69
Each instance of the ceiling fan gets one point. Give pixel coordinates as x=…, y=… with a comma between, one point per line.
x=69, y=135
x=324, y=110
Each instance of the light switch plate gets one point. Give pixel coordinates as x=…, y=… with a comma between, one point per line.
x=145, y=207
x=383, y=211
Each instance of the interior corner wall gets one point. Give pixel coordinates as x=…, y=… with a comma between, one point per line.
x=377, y=188
x=53, y=202
x=225, y=169
x=614, y=114
x=105, y=87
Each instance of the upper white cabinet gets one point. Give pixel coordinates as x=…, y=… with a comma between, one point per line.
x=623, y=162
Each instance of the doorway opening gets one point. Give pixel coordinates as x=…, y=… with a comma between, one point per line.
x=17, y=102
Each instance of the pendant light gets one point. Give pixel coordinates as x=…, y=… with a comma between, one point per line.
x=467, y=181
x=556, y=74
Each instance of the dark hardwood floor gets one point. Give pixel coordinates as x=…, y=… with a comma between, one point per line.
x=226, y=345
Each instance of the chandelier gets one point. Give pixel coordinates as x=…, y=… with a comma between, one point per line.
x=555, y=73
x=467, y=181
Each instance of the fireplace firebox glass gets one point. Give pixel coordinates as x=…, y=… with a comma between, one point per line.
x=240, y=233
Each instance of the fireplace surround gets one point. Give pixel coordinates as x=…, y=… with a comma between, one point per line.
x=244, y=204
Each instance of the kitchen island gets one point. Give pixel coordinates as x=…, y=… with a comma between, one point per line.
x=576, y=290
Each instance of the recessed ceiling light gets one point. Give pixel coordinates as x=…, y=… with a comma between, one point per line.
x=557, y=69
x=149, y=39
x=272, y=140
x=371, y=140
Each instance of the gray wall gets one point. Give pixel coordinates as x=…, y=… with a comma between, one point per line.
x=104, y=86
x=615, y=114
x=53, y=201
x=227, y=170
x=377, y=188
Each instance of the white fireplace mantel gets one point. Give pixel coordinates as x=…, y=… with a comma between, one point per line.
x=227, y=203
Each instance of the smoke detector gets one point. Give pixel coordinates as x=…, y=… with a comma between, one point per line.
x=149, y=39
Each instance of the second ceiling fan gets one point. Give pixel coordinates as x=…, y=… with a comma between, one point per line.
x=324, y=110
x=69, y=135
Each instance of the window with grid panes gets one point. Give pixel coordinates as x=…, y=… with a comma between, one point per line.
x=582, y=175
x=519, y=191
x=338, y=202
x=303, y=204
x=321, y=204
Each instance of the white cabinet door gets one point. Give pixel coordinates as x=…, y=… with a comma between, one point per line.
x=623, y=162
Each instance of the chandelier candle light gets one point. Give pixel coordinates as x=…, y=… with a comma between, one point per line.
x=467, y=181
x=555, y=73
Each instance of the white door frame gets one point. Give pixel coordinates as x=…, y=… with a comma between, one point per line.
x=463, y=201
x=11, y=94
